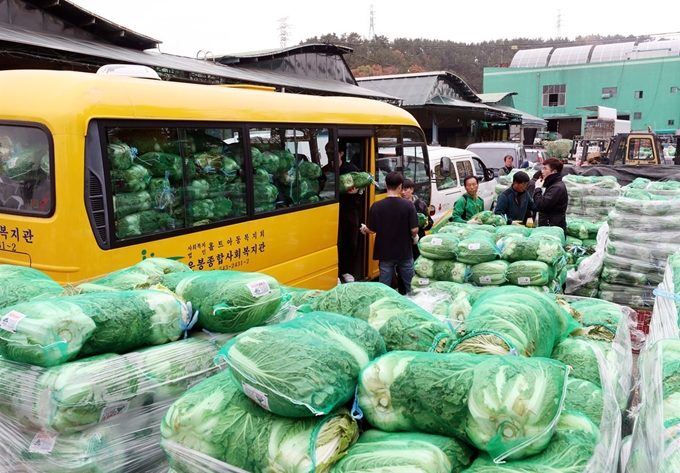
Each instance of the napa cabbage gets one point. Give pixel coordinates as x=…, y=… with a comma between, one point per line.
x=229, y=301
x=511, y=318
x=569, y=451
x=306, y=366
x=22, y=284
x=406, y=452
x=506, y=406
x=438, y=246
x=52, y=331
x=216, y=425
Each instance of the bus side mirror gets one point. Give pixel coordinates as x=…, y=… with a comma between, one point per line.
x=445, y=167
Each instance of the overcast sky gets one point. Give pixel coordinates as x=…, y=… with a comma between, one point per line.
x=229, y=26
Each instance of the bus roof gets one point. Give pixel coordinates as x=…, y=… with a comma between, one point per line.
x=55, y=97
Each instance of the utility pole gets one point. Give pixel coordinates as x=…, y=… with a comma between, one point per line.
x=284, y=31
x=371, y=27
x=559, y=23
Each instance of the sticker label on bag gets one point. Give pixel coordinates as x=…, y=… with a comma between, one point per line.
x=113, y=410
x=474, y=246
x=423, y=281
x=260, y=398
x=485, y=279
x=10, y=321
x=259, y=288
x=43, y=442
x=436, y=242
x=523, y=280
x=11, y=163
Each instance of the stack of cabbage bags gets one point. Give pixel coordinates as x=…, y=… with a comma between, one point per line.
x=484, y=255
x=585, y=254
x=278, y=174
x=98, y=414
x=281, y=405
x=653, y=443
x=402, y=323
x=643, y=232
x=591, y=197
x=148, y=176
x=524, y=410
x=79, y=392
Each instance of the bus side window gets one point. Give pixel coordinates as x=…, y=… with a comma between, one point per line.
x=25, y=170
x=283, y=175
x=168, y=178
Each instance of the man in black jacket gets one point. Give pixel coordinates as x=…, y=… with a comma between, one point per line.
x=550, y=196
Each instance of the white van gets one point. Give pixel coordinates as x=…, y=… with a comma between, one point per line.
x=447, y=189
x=492, y=153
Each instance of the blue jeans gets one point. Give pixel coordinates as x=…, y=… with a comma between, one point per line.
x=404, y=267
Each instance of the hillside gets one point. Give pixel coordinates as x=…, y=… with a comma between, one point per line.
x=380, y=56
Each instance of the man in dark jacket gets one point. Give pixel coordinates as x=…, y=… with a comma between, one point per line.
x=395, y=222
x=514, y=202
x=551, y=196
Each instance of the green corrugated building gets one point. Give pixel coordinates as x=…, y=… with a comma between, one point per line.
x=640, y=80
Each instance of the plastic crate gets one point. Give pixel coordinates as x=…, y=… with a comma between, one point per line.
x=644, y=317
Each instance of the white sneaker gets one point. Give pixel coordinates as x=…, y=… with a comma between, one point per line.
x=347, y=277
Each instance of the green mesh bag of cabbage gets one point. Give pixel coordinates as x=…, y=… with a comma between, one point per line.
x=49, y=332
x=215, y=427
x=402, y=323
x=228, y=301
x=129, y=278
x=569, y=451
x=304, y=367
x=510, y=319
x=505, y=405
x=21, y=284
x=407, y=452
x=78, y=395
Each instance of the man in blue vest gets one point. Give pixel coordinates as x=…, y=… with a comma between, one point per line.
x=514, y=202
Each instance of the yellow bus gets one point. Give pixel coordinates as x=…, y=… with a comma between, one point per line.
x=99, y=172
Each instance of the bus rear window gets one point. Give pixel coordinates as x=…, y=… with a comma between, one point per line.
x=25, y=171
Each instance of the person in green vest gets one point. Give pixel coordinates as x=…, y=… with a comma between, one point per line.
x=469, y=204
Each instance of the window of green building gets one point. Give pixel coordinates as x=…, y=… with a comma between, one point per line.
x=637, y=116
x=555, y=95
x=638, y=94
x=609, y=92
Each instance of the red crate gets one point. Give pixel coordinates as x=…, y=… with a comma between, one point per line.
x=644, y=317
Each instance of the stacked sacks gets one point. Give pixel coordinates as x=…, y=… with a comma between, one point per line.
x=591, y=197
x=536, y=260
x=101, y=413
x=157, y=190
x=281, y=405
x=653, y=444
x=97, y=402
x=489, y=402
x=643, y=232
x=581, y=243
x=402, y=324
x=470, y=253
